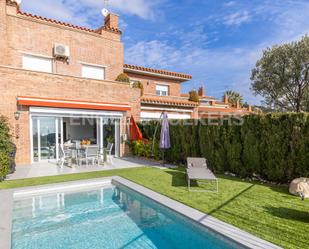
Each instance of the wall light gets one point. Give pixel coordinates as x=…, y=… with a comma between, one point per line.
x=17, y=115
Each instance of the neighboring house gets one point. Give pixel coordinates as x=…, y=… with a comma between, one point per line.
x=210, y=107
x=161, y=92
x=57, y=83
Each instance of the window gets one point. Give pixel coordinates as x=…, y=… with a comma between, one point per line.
x=161, y=90
x=93, y=72
x=37, y=63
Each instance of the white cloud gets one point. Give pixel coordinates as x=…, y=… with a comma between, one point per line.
x=141, y=8
x=229, y=68
x=88, y=12
x=229, y=4
x=237, y=18
x=44, y=7
x=153, y=54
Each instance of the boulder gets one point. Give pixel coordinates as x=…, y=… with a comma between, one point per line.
x=300, y=186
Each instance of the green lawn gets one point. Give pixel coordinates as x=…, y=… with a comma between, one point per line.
x=269, y=212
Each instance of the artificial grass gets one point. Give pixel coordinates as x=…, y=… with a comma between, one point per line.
x=268, y=212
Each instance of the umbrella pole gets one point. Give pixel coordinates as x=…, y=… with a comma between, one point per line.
x=163, y=157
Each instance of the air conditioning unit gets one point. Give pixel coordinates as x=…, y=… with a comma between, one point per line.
x=61, y=50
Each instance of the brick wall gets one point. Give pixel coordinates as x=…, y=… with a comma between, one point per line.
x=3, y=36
x=14, y=82
x=31, y=35
x=150, y=83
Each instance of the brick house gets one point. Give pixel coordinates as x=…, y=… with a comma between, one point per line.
x=41, y=92
x=210, y=107
x=57, y=84
x=162, y=92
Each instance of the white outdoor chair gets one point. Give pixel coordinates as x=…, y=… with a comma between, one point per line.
x=92, y=154
x=65, y=157
x=108, y=151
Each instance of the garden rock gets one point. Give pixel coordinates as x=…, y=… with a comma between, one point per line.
x=300, y=186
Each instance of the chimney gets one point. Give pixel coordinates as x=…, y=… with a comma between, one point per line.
x=212, y=102
x=201, y=92
x=226, y=99
x=12, y=7
x=250, y=108
x=112, y=21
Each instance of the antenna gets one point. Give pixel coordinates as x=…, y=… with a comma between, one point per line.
x=106, y=4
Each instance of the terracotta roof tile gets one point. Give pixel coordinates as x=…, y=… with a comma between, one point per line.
x=221, y=103
x=167, y=101
x=207, y=97
x=68, y=24
x=200, y=97
x=184, y=95
x=158, y=71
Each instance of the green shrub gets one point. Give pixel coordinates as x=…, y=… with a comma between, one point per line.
x=138, y=84
x=273, y=146
x=5, y=148
x=144, y=149
x=123, y=77
x=4, y=165
x=193, y=96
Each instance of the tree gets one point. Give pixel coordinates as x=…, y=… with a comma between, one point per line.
x=281, y=76
x=234, y=97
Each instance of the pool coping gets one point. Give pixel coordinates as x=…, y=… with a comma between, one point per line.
x=6, y=209
x=230, y=232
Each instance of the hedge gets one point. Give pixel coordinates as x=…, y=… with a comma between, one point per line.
x=6, y=148
x=274, y=147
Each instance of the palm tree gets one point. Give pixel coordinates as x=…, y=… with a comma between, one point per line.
x=234, y=97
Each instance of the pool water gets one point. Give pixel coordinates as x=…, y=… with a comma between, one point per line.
x=105, y=218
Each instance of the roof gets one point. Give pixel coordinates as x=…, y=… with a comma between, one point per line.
x=200, y=97
x=159, y=72
x=50, y=20
x=222, y=103
x=167, y=101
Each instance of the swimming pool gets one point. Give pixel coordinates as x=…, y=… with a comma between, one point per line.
x=104, y=217
x=110, y=213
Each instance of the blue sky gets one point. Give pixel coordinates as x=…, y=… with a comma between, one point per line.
x=217, y=41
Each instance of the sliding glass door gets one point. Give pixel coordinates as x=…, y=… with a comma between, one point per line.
x=48, y=138
x=51, y=132
x=44, y=138
x=111, y=134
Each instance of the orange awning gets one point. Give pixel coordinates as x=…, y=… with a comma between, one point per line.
x=75, y=104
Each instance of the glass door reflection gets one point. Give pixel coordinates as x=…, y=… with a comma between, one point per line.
x=47, y=138
x=44, y=138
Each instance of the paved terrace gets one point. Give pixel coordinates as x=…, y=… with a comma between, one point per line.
x=51, y=169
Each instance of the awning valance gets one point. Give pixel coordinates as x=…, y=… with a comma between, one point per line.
x=75, y=104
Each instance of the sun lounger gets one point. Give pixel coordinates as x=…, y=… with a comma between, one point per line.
x=197, y=170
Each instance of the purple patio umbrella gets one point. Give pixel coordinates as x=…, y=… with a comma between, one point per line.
x=165, y=142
